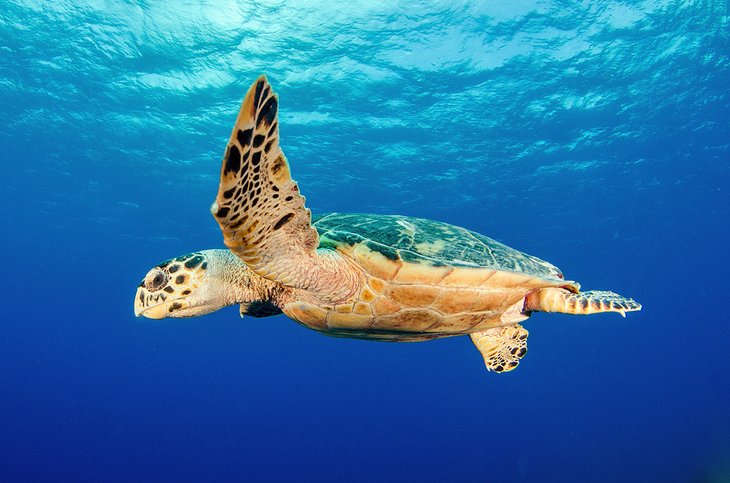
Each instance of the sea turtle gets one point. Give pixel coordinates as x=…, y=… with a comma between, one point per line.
x=368, y=276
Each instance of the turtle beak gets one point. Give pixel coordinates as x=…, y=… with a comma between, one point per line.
x=139, y=300
x=161, y=305
x=152, y=306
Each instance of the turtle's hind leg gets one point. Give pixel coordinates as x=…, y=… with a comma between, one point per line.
x=501, y=347
x=584, y=303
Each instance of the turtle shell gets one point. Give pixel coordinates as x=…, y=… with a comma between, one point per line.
x=426, y=242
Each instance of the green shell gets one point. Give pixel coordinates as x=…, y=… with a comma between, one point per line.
x=417, y=240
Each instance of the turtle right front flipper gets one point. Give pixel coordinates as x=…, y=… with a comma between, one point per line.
x=261, y=212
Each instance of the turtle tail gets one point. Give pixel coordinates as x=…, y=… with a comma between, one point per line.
x=553, y=299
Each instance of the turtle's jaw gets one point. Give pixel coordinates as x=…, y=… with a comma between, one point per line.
x=157, y=305
x=157, y=312
x=161, y=306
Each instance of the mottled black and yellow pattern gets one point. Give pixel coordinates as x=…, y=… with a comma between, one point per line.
x=369, y=276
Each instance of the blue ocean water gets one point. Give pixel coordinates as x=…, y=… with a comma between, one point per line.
x=594, y=135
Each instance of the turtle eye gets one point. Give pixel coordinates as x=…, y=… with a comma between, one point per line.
x=156, y=280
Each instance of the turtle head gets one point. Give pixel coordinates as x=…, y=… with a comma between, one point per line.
x=202, y=282
x=180, y=287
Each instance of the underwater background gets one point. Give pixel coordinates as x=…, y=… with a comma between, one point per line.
x=594, y=135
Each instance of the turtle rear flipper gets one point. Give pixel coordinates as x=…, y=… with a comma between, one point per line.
x=592, y=302
x=501, y=347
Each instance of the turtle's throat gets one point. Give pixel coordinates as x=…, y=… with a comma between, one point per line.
x=235, y=283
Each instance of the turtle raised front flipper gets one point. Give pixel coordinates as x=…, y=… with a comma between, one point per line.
x=261, y=212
